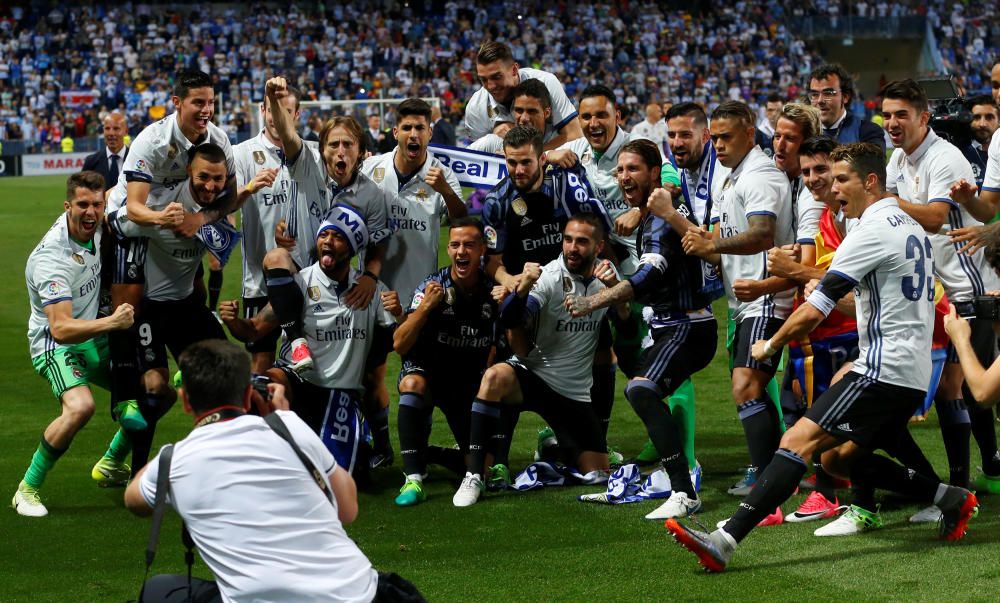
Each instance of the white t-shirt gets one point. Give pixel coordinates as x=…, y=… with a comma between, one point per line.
x=991, y=181
x=926, y=177
x=339, y=337
x=756, y=186
x=60, y=269
x=656, y=132
x=888, y=257
x=563, y=352
x=483, y=112
x=259, y=520
x=808, y=211
x=159, y=156
x=414, y=218
x=264, y=209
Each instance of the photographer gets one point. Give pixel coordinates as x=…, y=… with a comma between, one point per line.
x=261, y=522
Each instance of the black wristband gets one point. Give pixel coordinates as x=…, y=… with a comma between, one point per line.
x=371, y=274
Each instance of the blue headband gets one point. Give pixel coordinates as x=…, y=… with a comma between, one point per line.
x=348, y=222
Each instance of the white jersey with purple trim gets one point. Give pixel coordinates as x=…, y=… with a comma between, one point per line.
x=991, y=181
x=601, y=169
x=414, y=218
x=60, y=269
x=483, y=112
x=926, y=177
x=159, y=156
x=563, y=352
x=656, y=132
x=808, y=211
x=266, y=206
x=172, y=260
x=321, y=193
x=339, y=337
x=888, y=259
x=755, y=187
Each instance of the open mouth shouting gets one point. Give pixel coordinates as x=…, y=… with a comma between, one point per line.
x=463, y=266
x=412, y=150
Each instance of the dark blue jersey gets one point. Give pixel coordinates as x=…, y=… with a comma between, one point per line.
x=668, y=280
x=527, y=227
x=460, y=331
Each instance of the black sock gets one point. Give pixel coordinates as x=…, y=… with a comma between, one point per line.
x=484, y=423
x=825, y=483
x=647, y=402
x=449, y=458
x=909, y=454
x=411, y=423
x=984, y=430
x=152, y=409
x=286, y=301
x=792, y=408
x=214, y=288
x=378, y=422
x=122, y=346
x=500, y=441
x=602, y=393
x=877, y=471
x=761, y=430
x=774, y=486
x=955, y=429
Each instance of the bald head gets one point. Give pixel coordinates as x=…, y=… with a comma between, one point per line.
x=115, y=129
x=435, y=113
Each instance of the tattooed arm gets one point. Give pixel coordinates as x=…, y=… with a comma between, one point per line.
x=758, y=237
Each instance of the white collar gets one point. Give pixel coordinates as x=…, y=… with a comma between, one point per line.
x=120, y=154
x=839, y=121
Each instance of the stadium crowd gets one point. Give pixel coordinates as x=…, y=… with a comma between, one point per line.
x=597, y=250
x=126, y=54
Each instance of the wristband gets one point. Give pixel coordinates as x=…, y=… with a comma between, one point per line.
x=370, y=274
x=250, y=187
x=768, y=349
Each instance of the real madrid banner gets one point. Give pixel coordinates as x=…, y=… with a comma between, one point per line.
x=472, y=168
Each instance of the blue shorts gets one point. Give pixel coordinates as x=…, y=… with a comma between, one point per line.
x=815, y=370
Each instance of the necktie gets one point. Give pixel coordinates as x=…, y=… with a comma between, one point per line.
x=113, y=171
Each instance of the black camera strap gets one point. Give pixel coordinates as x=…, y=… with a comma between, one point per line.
x=279, y=427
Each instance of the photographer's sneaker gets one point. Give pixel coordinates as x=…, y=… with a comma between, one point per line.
x=27, y=502
x=301, y=356
x=930, y=514
x=470, y=490
x=678, y=505
x=109, y=473
x=958, y=506
x=713, y=550
x=854, y=521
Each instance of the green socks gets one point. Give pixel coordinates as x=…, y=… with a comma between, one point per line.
x=682, y=408
x=120, y=447
x=42, y=461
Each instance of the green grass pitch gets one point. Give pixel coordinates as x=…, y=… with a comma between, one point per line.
x=538, y=546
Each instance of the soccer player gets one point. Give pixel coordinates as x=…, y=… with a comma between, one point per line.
x=173, y=315
x=264, y=180
x=490, y=105
x=156, y=163
x=531, y=106
x=418, y=191
x=985, y=120
x=66, y=338
x=831, y=90
x=653, y=127
x=445, y=342
x=682, y=326
x=551, y=371
x=922, y=171
x=752, y=213
x=889, y=259
x=342, y=337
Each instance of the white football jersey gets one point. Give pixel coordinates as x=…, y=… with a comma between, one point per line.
x=808, y=211
x=889, y=258
x=60, y=269
x=172, y=260
x=339, y=337
x=926, y=177
x=656, y=132
x=755, y=187
x=266, y=207
x=159, y=156
x=414, y=211
x=321, y=193
x=563, y=352
x=991, y=181
x=482, y=112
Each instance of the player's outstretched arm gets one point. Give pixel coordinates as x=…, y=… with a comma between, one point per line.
x=571, y=131
x=758, y=237
x=983, y=206
x=931, y=216
x=983, y=383
x=247, y=330
x=136, y=195
x=275, y=90
x=68, y=330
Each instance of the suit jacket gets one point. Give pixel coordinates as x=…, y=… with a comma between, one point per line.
x=98, y=162
x=444, y=133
